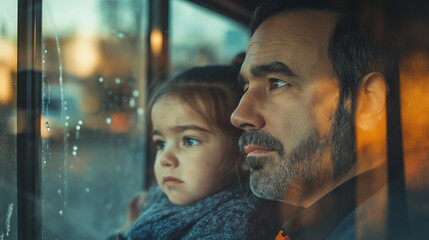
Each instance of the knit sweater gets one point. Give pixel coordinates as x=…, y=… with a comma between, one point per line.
x=229, y=214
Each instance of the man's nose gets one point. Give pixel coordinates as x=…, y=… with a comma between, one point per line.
x=248, y=114
x=169, y=159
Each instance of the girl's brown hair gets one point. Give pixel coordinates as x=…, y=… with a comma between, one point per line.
x=214, y=93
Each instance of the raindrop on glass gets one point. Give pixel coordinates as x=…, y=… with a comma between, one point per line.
x=68, y=135
x=43, y=61
x=61, y=212
x=108, y=120
x=66, y=124
x=136, y=93
x=117, y=80
x=140, y=111
x=67, y=117
x=101, y=79
x=132, y=102
x=65, y=108
x=60, y=176
x=74, y=153
x=86, y=189
x=75, y=148
x=9, y=216
x=59, y=191
x=46, y=51
x=48, y=128
x=80, y=122
x=121, y=35
x=77, y=127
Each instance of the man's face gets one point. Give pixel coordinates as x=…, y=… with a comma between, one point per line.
x=289, y=107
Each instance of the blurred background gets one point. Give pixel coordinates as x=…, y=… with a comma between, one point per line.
x=98, y=58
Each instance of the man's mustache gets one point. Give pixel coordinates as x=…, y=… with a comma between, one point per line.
x=261, y=139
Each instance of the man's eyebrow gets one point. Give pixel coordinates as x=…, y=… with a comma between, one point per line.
x=275, y=67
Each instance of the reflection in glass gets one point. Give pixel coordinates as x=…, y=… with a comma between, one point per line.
x=200, y=37
x=8, y=68
x=92, y=115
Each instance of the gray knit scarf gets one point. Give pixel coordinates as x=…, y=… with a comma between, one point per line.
x=229, y=214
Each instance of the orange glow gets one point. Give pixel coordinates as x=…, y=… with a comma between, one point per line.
x=156, y=40
x=8, y=56
x=81, y=56
x=6, y=92
x=120, y=122
x=8, y=65
x=415, y=119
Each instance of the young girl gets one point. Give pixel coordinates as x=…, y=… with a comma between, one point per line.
x=201, y=192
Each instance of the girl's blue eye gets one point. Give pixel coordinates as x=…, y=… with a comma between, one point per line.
x=160, y=145
x=189, y=141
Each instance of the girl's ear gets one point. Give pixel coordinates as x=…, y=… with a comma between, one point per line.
x=371, y=101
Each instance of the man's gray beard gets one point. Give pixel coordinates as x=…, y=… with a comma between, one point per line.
x=300, y=165
x=303, y=164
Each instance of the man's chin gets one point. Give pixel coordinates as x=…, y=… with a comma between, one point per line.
x=263, y=186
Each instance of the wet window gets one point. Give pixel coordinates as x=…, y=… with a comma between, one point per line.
x=94, y=68
x=92, y=126
x=8, y=69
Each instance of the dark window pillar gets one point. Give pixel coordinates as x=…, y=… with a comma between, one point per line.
x=29, y=94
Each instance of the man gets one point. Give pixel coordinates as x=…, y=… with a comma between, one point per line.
x=319, y=115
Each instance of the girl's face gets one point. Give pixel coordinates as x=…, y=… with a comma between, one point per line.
x=190, y=152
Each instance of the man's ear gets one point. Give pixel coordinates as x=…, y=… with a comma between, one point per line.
x=371, y=101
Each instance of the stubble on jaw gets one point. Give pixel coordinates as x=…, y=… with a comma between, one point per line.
x=285, y=175
x=309, y=167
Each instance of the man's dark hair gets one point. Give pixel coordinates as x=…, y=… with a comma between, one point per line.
x=355, y=49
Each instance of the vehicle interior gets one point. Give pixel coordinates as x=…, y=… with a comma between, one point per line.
x=74, y=81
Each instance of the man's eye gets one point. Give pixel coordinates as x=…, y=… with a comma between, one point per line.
x=276, y=83
x=189, y=141
x=160, y=145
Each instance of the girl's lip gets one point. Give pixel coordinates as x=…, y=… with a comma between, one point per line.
x=171, y=181
x=252, y=149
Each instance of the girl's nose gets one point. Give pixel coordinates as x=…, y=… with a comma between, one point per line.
x=169, y=159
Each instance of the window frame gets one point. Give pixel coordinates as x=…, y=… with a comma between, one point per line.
x=29, y=95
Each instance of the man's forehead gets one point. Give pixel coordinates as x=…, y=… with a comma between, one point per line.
x=288, y=35
x=304, y=19
x=295, y=25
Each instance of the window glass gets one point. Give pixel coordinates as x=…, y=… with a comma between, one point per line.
x=8, y=68
x=200, y=36
x=93, y=144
